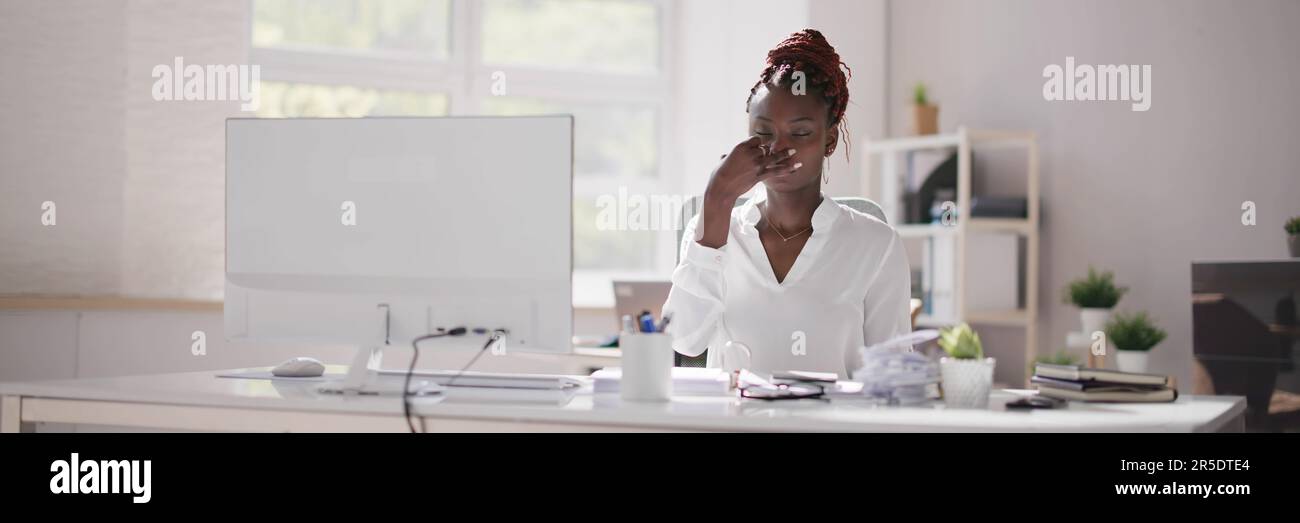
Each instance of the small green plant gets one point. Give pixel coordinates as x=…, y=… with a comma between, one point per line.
x=1060, y=358
x=1097, y=290
x=1293, y=225
x=1133, y=332
x=961, y=342
x=919, y=95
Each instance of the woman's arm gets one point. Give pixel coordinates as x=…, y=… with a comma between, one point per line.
x=886, y=309
x=699, y=289
x=698, y=293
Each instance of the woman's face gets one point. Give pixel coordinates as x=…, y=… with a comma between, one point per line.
x=784, y=120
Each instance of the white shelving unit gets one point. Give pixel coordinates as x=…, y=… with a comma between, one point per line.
x=882, y=183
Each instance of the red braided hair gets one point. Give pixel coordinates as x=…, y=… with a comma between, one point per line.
x=808, y=51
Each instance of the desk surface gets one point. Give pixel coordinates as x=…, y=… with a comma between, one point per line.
x=583, y=409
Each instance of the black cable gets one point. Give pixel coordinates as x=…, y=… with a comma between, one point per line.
x=496, y=335
x=415, y=355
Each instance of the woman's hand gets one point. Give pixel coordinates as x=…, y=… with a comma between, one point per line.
x=748, y=163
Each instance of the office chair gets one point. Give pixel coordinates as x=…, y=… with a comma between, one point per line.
x=692, y=207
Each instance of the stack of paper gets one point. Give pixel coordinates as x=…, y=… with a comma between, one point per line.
x=898, y=376
x=689, y=381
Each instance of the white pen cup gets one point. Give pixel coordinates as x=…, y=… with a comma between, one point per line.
x=647, y=367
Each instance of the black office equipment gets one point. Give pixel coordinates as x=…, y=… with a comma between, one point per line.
x=1244, y=332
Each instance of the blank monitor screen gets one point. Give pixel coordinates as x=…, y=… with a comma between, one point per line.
x=463, y=221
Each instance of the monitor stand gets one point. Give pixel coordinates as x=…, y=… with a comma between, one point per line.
x=364, y=378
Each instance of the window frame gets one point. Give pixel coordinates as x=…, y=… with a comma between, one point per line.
x=466, y=81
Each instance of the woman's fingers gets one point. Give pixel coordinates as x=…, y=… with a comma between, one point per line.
x=779, y=159
x=750, y=143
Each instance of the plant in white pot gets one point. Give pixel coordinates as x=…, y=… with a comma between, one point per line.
x=1293, y=236
x=1095, y=295
x=967, y=375
x=1134, y=335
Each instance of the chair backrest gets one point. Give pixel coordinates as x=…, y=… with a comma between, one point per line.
x=692, y=207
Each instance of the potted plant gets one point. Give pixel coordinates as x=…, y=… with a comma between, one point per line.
x=1060, y=358
x=1134, y=336
x=1293, y=236
x=1095, y=295
x=925, y=116
x=967, y=375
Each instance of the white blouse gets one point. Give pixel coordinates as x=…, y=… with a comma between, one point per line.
x=849, y=287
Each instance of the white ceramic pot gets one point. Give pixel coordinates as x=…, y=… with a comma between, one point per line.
x=1093, y=320
x=966, y=383
x=1132, y=360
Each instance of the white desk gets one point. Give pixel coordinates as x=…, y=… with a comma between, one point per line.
x=201, y=401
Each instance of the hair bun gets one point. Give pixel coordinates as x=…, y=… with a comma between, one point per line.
x=807, y=50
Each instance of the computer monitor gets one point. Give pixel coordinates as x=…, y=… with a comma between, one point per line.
x=375, y=231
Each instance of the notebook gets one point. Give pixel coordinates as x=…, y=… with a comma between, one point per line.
x=1113, y=394
x=1090, y=385
x=1077, y=373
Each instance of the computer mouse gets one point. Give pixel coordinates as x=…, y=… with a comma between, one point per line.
x=299, y=368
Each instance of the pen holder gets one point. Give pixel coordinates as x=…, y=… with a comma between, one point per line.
x=647, y=367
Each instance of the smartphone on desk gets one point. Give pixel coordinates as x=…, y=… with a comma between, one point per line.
x=1036, y=401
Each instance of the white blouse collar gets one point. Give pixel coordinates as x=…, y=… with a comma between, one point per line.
x=822, y=218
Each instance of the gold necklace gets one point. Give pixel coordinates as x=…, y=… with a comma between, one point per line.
x=772, y=225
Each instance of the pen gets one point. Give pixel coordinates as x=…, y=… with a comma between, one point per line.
x=647, y=322
x=664, y=324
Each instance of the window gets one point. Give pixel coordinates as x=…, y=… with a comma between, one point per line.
x=279, y=99
x=413, y=28
x=618, y=36
x=601, y=60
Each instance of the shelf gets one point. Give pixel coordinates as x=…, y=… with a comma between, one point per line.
x=981, y=137
x=1016, y=225
x=884, y=163
x=924, y=230
x=1012, y=318
x=925, y=320
x=932, y=141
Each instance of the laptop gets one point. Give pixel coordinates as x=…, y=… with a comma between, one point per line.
x=633, y=297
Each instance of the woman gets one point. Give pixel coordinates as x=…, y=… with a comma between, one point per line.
x=800, y=280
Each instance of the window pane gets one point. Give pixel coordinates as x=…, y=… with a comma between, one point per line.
x=418, y=27
x=608, y=249
x=611, y=35
x=280, y=99
x=609, y=139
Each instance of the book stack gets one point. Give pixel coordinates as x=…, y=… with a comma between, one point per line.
x=1072, y=382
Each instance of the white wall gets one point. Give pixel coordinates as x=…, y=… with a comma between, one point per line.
x=1142, y=193
x=61, y=140
x=174, y=195
x=723, y=49
x=137, y=182
x=858, y=30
